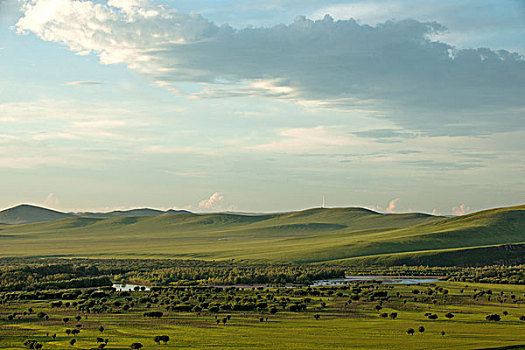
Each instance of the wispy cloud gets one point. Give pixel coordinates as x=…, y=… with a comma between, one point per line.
x=82, y=83
x=51, y=201
x=187, y=173
x=306, y=140
x=54, y=136
x=156, y=149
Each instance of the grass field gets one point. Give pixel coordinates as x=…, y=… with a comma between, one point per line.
x=345, y=235
x=355, y=326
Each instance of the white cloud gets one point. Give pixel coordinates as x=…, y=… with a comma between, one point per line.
x=370, y=12
x=187, y=173
x=211, y=203
x=468, y=21
x=303, y=140
x=392, y=205
x=462, y=209
x=393, y=67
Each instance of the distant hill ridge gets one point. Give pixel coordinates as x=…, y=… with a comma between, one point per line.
x=330, y=235
x=28, y=214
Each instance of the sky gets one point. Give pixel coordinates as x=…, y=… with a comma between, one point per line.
x=262, y=106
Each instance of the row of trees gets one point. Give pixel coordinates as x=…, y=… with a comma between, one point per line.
x=43, y=274
x=30, y=274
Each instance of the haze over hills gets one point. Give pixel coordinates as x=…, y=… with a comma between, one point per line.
x=334, y=235
x=26, y=214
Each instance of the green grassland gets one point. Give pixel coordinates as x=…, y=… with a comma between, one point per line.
x=357, y=325
x=341, y=235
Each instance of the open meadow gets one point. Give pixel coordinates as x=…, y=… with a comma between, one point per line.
x=366, y=315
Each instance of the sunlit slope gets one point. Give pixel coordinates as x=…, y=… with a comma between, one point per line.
x=314, y=235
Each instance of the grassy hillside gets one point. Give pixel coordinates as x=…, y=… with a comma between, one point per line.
x=343, y=235
x=24, y=214
x=131, y=212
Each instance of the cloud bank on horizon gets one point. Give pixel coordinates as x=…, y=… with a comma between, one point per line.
x=393, y=69
x=217, y=106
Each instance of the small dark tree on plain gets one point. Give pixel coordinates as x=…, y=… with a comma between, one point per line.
x=30, y=344
x=68, y=331
x=65, y=319
x=165, y=339
x=449, y=315
x=421, y=329
x=493, y=317
x=224, y=320
x=72, y=342
x=442, y=333
x=101, y=329
x=393, y=315
x=156, y=339
x=316, y=316
x=505, y=313
x=410, y=331
x=100, y=340
x=136, y=346
x=78, y=318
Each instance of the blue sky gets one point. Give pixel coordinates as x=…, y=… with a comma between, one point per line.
x=262, y=105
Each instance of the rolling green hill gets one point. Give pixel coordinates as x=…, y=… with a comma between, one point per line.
x=338, y=235
x=25, y=213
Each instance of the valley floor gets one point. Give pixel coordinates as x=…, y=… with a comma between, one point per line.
x=359, y=316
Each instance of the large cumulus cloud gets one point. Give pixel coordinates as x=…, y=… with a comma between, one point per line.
x=392, y=69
